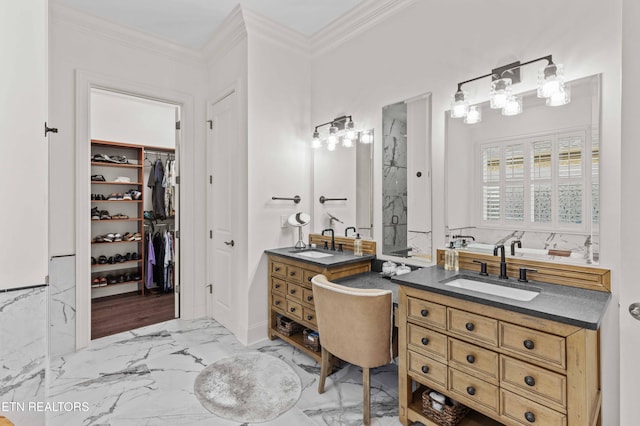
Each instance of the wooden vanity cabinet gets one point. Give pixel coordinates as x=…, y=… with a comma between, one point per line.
x=290, y=294
x=510, y=368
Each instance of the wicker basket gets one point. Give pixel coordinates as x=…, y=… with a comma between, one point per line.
x=311, y=340
x=287, y=326
x=451, y=413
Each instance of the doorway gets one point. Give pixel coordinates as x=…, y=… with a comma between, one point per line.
x=135, y=212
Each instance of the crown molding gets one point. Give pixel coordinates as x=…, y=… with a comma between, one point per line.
x=356, y=21
x=260, y=25
x=231, y=31
x=122, y=35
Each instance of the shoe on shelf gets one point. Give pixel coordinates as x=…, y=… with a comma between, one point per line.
x=137, y=236
x=95, y=214
x=123, y=179
x=95, y=283
x=97, y=178
x=104, y=215
x=127, y=277
x=127, y=196
x=111, y=260
x=93, y=260
x=135, y=256
x=102, y=259
x=98, y=239
x=100, y=158
x=108, y=238
x=111, y=279
x=137, y=195
x=112, y=197
x=127, y=256
x=117, y=237
x=103, y=281
x=119, y=216
x=136, y=277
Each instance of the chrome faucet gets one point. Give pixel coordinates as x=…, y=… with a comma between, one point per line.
x=513, y=246
x=333, y=238
x=503, y=262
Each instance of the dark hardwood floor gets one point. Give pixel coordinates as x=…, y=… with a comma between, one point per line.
x=114, y=314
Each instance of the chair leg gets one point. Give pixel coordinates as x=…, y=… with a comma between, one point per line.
x=325, y=368
x=366, y=396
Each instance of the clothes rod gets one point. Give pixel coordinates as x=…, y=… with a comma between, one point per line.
x=296, y=199
x=323, y=199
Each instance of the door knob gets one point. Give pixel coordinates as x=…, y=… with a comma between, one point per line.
x=230, y=243
x=634, y=310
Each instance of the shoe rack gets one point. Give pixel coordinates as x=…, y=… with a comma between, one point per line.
x=117, y=230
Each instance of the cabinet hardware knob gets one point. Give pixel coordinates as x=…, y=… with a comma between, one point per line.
x=528, y=344
x=471, y=359
x=277, y=302
x=292, y=291
x=309, y=317
x=469, y=326
x=530, y=417
x=530, y=381
x=277, y=286
x=292, y=273
x=309, y=298
x=292, y=309
x=424, y=312
x=425, y=369
x=425, y=341
x=277, y=269
x=471, y=390
x=309, y=279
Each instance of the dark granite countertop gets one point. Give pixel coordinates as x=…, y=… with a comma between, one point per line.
x=370, y=280
x=337, y=258
x=564, y=304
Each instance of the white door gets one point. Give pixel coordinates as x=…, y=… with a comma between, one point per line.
x=24, y=148
x=222, y=212
x=176, y=264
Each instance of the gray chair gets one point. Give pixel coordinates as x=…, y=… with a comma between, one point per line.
x=354, y=325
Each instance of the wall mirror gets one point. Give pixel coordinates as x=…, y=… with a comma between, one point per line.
x=406, y=179
x=343, y=187
x=529, y=181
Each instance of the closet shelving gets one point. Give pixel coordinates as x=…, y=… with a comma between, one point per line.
x=128, y=275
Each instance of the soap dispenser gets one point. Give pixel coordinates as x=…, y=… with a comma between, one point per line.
x=357, y=246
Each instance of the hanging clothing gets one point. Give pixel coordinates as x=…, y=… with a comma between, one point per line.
x=158, y=268
x=155, y=182
x=151, y=260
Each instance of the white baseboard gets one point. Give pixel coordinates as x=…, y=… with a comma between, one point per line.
x=257, y=333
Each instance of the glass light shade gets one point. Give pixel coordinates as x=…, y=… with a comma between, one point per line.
x=550, y=80
x=332, y=139
x=474, y=115
x=459, y=104
x=500, y=92
x=365, y=137
x=513, y=105
x=349, y=130
x=562, y=97
x=346, y=142
x=331, y=146
x=315, y=143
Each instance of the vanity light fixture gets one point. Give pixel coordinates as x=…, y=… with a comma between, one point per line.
x=341, y=130
x=551, y=86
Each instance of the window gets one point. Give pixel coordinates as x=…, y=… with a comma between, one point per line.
x=540, y=182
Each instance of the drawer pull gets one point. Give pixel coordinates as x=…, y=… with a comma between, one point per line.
x=425, y=341
x=471, y=390
x=292, y=309
x=277, y=269
x=425, y=369
x=277, y=285
x=277, y=302
x=309, y=298
x=471, y=359
x=530, y=381
x=309, y=317
x=292, y=291
x=424, y=312
x=528, y=344
x=469, y=326
x=530, y=417
x=309, y=278
x=292, y=273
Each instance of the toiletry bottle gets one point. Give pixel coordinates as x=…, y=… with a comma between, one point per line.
x=447, y=259
x=456, y=262
x=357, y=246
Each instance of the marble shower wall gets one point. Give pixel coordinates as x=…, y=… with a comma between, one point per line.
x=23, y=354
x=62, y=305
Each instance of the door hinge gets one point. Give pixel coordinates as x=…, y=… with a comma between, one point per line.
x=46, y=279
x=210, y=234
x=210, y=179
x=176, y=288
x=177, y=125
x=210, y=124
x=177, y=180
x=178, y=233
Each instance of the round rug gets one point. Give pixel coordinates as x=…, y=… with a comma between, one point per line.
x=249, y=387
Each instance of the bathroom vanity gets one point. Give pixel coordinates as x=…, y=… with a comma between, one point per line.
x=290, y=273
x=515, y=359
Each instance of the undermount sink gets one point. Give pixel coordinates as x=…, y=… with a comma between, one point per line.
x=312, y=254
x=467, y=283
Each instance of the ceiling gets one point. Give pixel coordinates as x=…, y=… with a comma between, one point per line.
x=191, y=23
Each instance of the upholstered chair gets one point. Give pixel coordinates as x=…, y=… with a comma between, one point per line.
x=355, y=326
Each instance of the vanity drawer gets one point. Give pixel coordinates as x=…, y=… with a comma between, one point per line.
x=427, y=342
x=294, y=291
x=430, y=370
x=278, y=285
x=307, y=296
x=526, y=412
x=477, y=390
x=278, y=301
x=278, y=269
x=538, y=345
x=309, y=315
x=294, y=274
x=474, y=326
x=474, y=360
x=428, y=313
x=535, y=383
x=294, y=309
x=307, y=276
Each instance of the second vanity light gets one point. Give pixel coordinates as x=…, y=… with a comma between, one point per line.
x=341, y=130
x=550, y=86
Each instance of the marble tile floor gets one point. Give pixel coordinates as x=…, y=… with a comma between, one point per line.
x=145, y=377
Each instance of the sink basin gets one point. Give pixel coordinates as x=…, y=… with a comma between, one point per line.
x=493, y=289
x=312, y=254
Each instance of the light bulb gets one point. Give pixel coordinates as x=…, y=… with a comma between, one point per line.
x=332, y=139
x=315, y=143
x=350, y=130
x=562, y=97
x=500, y=92
x=331, y=146
x=459, y=104
x=365, y=137
x=513, y=105
x=346, y=142
x=550, y=80
x=474, y=115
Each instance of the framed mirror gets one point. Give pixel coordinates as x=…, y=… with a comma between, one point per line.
x=529, y=181
x=406, y=179
x=343, y=187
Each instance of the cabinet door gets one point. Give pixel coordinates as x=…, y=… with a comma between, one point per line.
x=24, y=148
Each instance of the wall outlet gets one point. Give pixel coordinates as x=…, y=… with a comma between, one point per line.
x=283, y=221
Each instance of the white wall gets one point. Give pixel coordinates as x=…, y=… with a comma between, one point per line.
x=418, y=51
